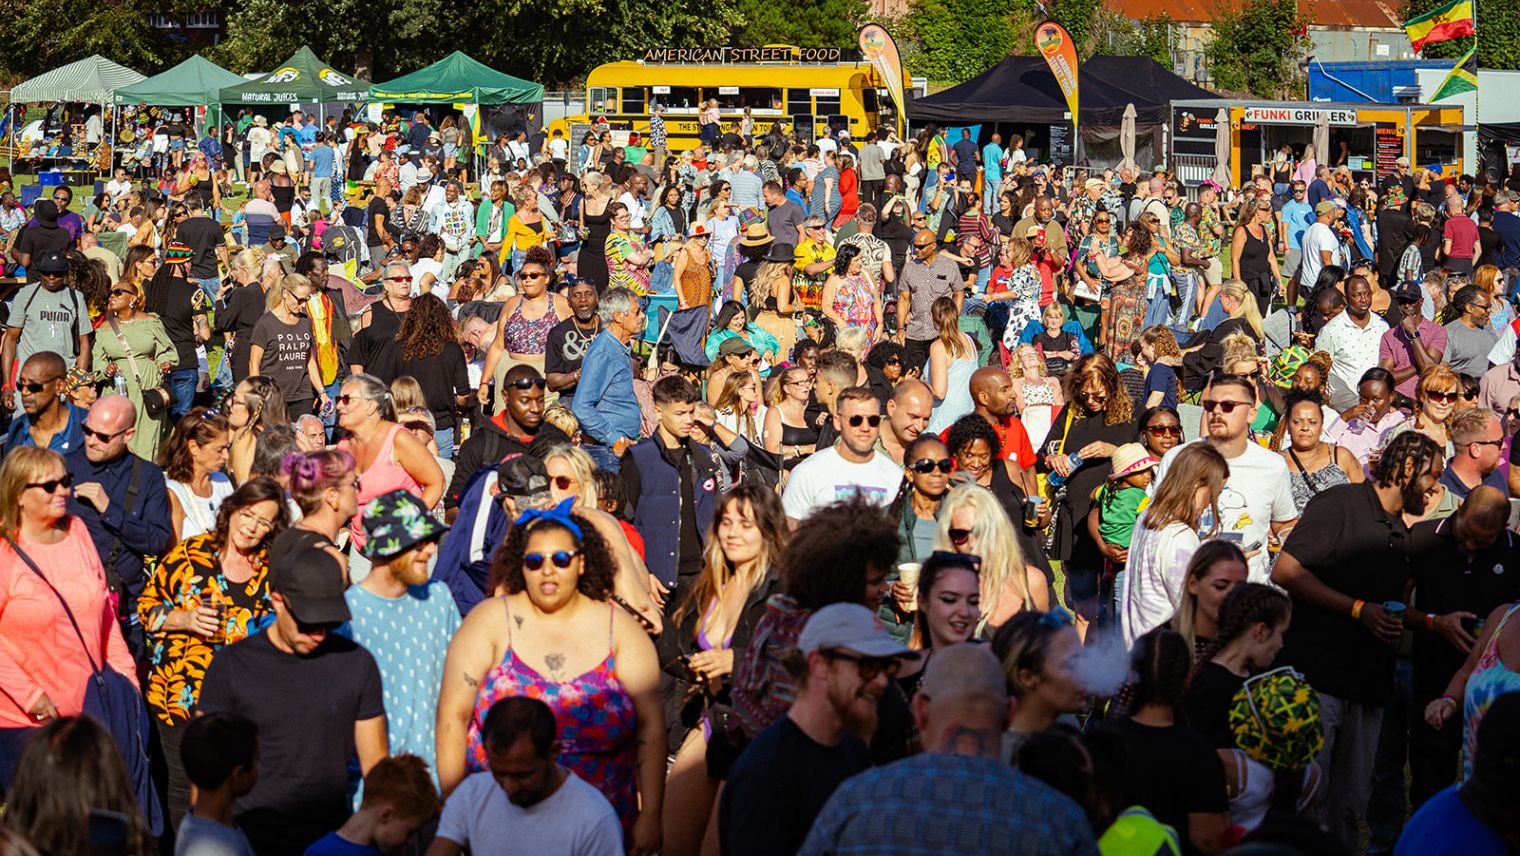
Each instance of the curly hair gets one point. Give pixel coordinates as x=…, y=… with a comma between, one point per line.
x=597, y=568
x=882, y=353
x=199, y=425
x=967, y=430
x=831, y=553
x=252, y=492
x=1162, y=661
x=426, y=328
x=1097, y=365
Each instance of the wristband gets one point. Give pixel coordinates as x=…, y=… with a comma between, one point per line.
x=1430, y=621
x=1448, y=698
x=1356, y=609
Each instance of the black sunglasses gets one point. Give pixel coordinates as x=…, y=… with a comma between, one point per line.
x=929, y=465
x=35, y=387
x=101, y=435
x=874, y=420
x=528, y=383
x=51, y=485
x=868, y=667
x=561, y=559
x=1225, y=406
x=959, y=536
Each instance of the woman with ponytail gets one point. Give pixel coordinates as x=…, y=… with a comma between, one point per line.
x=1250, y=633
x=1170, y=769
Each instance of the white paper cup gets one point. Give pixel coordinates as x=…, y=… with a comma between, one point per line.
x=908, y=573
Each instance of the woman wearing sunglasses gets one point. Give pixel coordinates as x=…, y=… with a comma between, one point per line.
x=50, y=665
x=128, y=329
x=325, y=490
x=712, y=626
x=209, y=591
x=973, y=522
x=553, y=634
x=1437, y=398
x=1160, y=431
x=522, y=330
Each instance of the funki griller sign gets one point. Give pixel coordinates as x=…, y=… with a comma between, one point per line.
x=1296, y=116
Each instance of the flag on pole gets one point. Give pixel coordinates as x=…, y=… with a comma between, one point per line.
x=1441, y=24
x=1463, y=77
x=1060, y=54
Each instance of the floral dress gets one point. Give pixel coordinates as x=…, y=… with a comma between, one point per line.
x=855, y=301
x=1024, y=307
x=1125, y=305
x=595, y=714
x=190, y=575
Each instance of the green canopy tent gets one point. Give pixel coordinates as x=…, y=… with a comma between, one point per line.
x=302, y=79
x=196, y=82
x=458, y=78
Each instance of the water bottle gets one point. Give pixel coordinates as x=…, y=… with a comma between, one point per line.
x=121, y=385
x=1056, y=479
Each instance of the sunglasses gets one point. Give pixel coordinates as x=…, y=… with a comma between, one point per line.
x=398, y=279
x=526, y=275
x=528, y=383
x=929, y=465
x=52, y=484
x=35, y=387
x=868, y=667
x=1513, y=413
x=1164, y=430
x=562, y=482
x=118, y=292
x=959, y=536
x=919, y=246
x=873, y=420
x=100, y=435
x=561, y=559
x=1448, y=397
x=345, y=399
x=1225, y=406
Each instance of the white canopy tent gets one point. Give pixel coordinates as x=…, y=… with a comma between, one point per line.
x=92, y=80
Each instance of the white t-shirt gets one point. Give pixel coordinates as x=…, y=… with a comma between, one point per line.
x=826, y=478
x=117, y=189
x=1317, y=239
x=635, y=210
x=576, y=821
x=1154, y=577
x=826, y=145
x=434, y=267
x=559, y=148
x=1257, y=493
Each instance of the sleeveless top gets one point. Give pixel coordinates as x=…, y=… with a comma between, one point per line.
x=696, y=282
x=1489, y=680
x=382, y=477
x=284, y=197
x=598, y=227
x=200, y=512
x=1305, y=488
x=1253, y=258
x=594, y=712
x=524, y=336
x=855, y=301
x=1039, y=411
x=957, y=401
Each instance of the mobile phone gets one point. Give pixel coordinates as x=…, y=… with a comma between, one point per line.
x=1237, y=538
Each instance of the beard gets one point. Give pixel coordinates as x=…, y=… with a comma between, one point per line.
x=858, y=721
x=1414, y=498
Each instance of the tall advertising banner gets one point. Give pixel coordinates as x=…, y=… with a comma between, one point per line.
x=878, y=47
x=1060, y=54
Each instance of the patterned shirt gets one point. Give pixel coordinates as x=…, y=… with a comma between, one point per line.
x=1212, y=243
x=656, y=131
x=191, y=574
x=621, y=272
x=873, y=253
x=1186, y=237
x=938, y=803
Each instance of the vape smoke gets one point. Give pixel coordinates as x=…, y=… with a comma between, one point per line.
x=1102, y=667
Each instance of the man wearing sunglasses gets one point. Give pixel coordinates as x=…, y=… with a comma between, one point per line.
x=926, y=277
x=48, y=315
x=1479, y=438
x=1257, y=501
x=788, y=772
x=508, y=432
x=47, y=419
x=123, y=500
x=851, y=466
x=307, y=737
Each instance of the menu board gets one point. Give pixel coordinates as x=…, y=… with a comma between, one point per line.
x=1061, y=150
x=1388, y=147
x=1192, y=131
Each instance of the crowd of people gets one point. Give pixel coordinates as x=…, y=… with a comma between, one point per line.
x=773, y=496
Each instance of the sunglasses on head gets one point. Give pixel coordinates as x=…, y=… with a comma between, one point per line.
x=868, y=667
x=873, y=420
x=528, y=383
x=34, y=386
x=1164, y=430
x=929, y=465
x=561, y=559
x=1223, y=406
x=51, y=485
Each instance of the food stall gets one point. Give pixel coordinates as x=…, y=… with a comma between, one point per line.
x=1368, y=138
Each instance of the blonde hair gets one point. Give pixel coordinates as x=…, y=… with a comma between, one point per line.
x=1019, y=252
x=584, y=468
x=852, y=340
x=23, y=465
x=282, y=286
x=406, y=394
x=1003, y=567
x=560, y=417
x=1238, y=348
x=1160, y=339
x=1016, y=365
x=249, y=260
x=1244, y=299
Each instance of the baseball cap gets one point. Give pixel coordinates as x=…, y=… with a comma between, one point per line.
x=1324, y=207
x=311, y=581
x=522, y=476
x=735, y=346
x=1407, y=291
x=51, y=261
x=850, y=627
x=395, y=522
x=277, y=231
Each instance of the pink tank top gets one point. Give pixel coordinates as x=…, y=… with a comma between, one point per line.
x=382, y=477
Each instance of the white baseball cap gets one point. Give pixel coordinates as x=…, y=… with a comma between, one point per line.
x=851, y=627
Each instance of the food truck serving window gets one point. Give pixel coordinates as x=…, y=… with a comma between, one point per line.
x=684, y=98
x=753, y=97
x=633, y=99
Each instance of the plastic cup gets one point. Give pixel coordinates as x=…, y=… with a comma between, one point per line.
x=1395, y=609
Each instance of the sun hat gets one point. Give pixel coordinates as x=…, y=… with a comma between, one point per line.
x=178, y=254
x=698, y=230
x=756, y=235
x=277, y=166
x=1094, y=182
x=396, y=522
x=1129, y=459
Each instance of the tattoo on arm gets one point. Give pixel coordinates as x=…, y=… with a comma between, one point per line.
x=471, y=681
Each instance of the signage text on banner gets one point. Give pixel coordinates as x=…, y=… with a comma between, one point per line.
x=1060, y=54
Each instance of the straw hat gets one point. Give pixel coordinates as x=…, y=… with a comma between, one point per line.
x=277, y=166
x=1129, y=459
x=755, y=235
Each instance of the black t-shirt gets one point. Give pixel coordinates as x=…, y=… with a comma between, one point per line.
x=381, y=332
x=1447, y=580
x=306, y=709
x=1171, y=771
x=1352, y=545
x=442, y=377
x=37, y=239
x=779, y=785
x=182, y=300
x=377, y=209
x=243, y=309
x=203, y=235
x=287, y=348
x=1210, y=695
x=1490, y=242
x=565, y=349
x=296, y=538
x=1394, y=230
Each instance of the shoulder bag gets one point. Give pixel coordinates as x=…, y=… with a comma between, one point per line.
x=156, y=400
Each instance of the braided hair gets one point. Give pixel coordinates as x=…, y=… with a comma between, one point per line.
x=1246, y=606
x=1409, y=447
x=1162, y=662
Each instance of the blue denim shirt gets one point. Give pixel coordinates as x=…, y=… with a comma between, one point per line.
x=604, y=400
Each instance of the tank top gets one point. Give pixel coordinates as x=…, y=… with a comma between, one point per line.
x=284, y=197
x=382, y=477
x=1253, y=258
x=696, y=282
x=199, y=511
x=1490, y=679
x=524, y=336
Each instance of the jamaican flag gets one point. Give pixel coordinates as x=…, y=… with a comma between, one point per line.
x=1463, y=77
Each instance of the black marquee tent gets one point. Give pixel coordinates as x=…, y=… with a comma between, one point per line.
x=1022, y=89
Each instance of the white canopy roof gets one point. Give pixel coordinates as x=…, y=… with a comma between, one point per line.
x=92, y=80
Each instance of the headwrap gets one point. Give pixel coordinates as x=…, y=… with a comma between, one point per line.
x=178, y=253
x=1275, y=719
x=558, y=514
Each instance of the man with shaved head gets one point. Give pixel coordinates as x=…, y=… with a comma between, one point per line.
x=123, y=501
x=992, y=394
x=926, y=277
x=47, y=418
x=962, y=708
x=908, y=412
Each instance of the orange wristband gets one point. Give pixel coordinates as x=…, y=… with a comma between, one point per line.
x=1356, y=609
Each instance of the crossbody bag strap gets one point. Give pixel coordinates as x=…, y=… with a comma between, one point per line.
x=134, y=482
x=1305, y=470
x=61, y=602
x=131, y=359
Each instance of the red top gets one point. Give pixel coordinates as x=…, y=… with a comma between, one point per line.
x=1463, y=233
x=1016, y=445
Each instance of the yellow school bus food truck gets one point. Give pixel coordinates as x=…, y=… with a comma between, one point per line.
x=812, y=89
